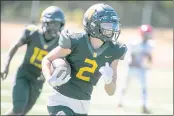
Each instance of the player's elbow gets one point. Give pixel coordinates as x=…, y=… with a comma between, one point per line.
x=45, y=63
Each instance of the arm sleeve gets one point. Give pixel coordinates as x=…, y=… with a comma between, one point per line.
x=123, y=50
x=64, y=40
x=120, y=51
x=24, y=38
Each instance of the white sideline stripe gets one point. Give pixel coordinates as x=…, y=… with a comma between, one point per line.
x=127, y=102
x=42, y=108
x=38, y=107
x=8, y=93
x=96, y=111
x=168, y=107
x=5, y=93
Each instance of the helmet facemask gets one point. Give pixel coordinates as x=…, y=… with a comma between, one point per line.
x=102, y=24
x=53, y=20
x=52, y=29
x=110, y=31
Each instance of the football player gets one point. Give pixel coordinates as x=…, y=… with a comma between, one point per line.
x=39, y=40
x=92, y=55
x=139, y=61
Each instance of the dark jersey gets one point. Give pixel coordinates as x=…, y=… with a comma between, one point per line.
x=85, y=63
x=37, y=48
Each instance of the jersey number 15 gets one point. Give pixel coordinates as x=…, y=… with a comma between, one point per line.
x=37, y=57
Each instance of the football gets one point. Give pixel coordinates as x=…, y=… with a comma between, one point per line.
x=62, y=64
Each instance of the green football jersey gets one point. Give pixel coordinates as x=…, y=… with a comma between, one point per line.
x=37, y=48
x=85, y=62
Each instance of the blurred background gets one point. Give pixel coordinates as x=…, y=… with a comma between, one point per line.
x=16, y=14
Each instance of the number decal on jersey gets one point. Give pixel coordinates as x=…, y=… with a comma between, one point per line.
x=37, y=57
x=87, y=69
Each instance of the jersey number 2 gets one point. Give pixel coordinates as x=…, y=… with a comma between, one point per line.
x=37, y=56
x=87, y=69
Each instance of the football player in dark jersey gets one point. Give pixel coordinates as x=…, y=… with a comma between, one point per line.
x=92, y=54
x=39, y=40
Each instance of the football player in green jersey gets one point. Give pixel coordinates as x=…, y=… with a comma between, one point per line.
x=39, y=40
x=92, y=54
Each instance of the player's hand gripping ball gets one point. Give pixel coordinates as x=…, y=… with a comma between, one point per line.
x=61, y=71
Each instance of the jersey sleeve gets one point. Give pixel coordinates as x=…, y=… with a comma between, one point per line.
x=26, y=33
x=65, y=40
x=69, y=40
x=121, y=51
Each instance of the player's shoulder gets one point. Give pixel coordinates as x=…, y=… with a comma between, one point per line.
x=31, y=27
x=68, y=34
x=119, y=45
x=119, y=49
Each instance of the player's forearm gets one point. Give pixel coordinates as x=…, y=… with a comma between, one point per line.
x=13, y=50
x=46, y=68
x=110, y=88
x=10, y=54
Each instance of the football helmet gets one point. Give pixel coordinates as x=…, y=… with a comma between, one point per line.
x=53, y=21
x=101, y=21
x=146, y=31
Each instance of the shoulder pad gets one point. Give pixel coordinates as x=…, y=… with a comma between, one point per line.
x=31, y=27
x=118, y=44
x=72, y=35
x=76, y=35
x=65, y=33
x=122, y=49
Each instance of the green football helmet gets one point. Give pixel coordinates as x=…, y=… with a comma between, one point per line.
x=53, y=21
x=101, y=21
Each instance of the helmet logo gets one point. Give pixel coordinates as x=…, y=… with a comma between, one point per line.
x=31, y=27
x=90, y=13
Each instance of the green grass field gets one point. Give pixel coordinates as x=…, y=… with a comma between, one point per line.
x=160, y=88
